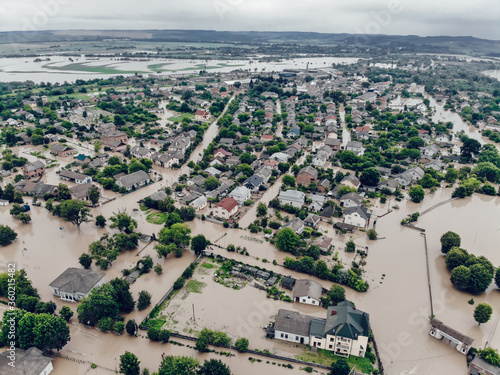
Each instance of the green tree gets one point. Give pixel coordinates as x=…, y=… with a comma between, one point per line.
x=480, y=278
x=154, y=333
x=122, y=295
x=428, y=181
x=370, y=177
x=73, y=211
x=144, y=300
x=85, y=260
x=97, y=146
x=198, y=244
x=119, y=327
x=66, y=313
x=456, y=257
x=100, y=221
x=24, y=218
x=214, y=367
x=181, y=365
x=482, y=313
x=448, y=240
x=451, y=175
x=44, y=331
x=63, y=192
x=490, y=355
x=177, y=234
x=99, y=304
x=164, y=335
x=340, y=367
x=350, y=246
x=336, y=294
x=123, y=222
x=94, y=195
x=372, y=234
x=460, y=277
x=288, y=180
x=7, y=235
x=129, y=364
x=241, y=344
x=287, y=240
x=131, y=327
x=497, y=277
x=261, y=209
x=417, y=194
x=469, y=148
x=211, y=183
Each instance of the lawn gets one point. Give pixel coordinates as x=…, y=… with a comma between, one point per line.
x=195, y=286
x=158, y=218
x=179, y=118
x=325, y=357
x=208, y=265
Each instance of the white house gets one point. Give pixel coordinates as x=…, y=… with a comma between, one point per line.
x=79, y=178
x=74, y=284
x=308, y=292
x=199, y=203
x=241, y=194
x=345, y=331
x=356, y=147
x=296, y=225
x=357, y=216
x=293, y=197
x=351, y=200
x=292, y=326
x=27, y=362
x=226, y=208
x=133, y=180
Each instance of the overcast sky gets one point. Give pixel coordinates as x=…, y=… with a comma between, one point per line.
x=479, y=18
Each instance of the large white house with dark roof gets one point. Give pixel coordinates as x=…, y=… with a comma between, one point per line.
x=345, y=331
x=27, y=362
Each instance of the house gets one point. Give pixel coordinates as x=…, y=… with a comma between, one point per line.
x=179, y=144
x=384, y=172
x=439, y=330
x=35, y=169
x=74, y=284
x=221, y=153
x=265, y=173
x=82, y=159
x=327, y=212
x=324, y=244
x=27, y=362
x=293, y=133
x=134, y=180
x=351, y=200
x=4, y=202
x=226, y=208
x=201, y=115
x=363, y=132
x=78, y=178
x=320, y=159
x=307, y=175
x=479, y=366
x=358, y=216
x=199, y=203
x=292, y=326
x=308, y=292
x=213, y=171
x=80, y=191
x=351, y=181
x=241, y=194
x=430, y=151
x=292, y=197
x=391, y=184
x=312, y=220
x=345, y=331
x=334, y=144
x=114, y=136
x=139, y=152
x=253, y=183
x=407, y=177
x=61, y=150
x=355, y=147
x=296, y=225
x=324, y=185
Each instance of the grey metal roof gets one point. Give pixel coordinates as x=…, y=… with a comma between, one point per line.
x=292, y=322
x=77, y=280
x=307, y=288
x=134, y=178
x=28, y=362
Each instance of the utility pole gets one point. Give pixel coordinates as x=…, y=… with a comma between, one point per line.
x=194, y=317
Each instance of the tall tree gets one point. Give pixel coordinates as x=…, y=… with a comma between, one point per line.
x=287, y=240
x=178, y=366
x=63, y=192
x=94, y=194
x=99, y=304
x=482, y=313
x=122, y=294
x=214, y=367
x=7, y=235
x=199, y=243
x=129, y=364
x=177, y=234
x=448, y=240
x=123, y=222
x=73, y=211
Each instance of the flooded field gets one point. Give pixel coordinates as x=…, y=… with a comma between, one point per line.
x=60, y=69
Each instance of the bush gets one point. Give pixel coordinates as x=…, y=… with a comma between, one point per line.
x=179, y=283
x=119, y=327
x=241, y=344
x=66, y=313
x=372, y=234
x=144, y=300
x=158, y=269
x=106, y=324
x=154, y=333
x=131, y=327
x=164, y=336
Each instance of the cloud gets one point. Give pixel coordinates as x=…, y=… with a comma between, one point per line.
x=425, y=17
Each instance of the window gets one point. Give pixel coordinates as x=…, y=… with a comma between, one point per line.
x=286, y=336
x=282, y=335
x=297, y=338
x=330, y=346
x=331, y=339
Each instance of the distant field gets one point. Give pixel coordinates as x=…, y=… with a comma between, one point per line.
x=83, y=67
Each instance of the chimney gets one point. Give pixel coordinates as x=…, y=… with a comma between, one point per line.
x=334, y=312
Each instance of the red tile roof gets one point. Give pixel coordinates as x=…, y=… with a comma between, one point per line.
x=228, y=204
